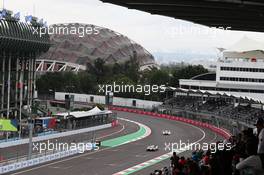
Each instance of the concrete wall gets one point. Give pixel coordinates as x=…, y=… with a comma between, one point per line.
x=117, y=101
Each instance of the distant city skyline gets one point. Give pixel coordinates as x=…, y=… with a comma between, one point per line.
x=158, y=34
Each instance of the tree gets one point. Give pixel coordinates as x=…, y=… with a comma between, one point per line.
x=87, y=83
x=131, y=68
x=98, y=69
x=186, y=73
x=159, y=77
x=117, y=69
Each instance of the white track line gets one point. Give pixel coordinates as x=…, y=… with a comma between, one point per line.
x=122, y=129
x=89, y=153
x=162, y=157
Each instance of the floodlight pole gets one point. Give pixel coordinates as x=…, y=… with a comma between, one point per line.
x=21, y=86
x=30, y=120
x=3, y=83
x=69, y=98
x=69, y=107
x=30, y=124
x=8, y=86
x=8, y=91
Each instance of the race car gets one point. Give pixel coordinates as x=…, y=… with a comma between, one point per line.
x=166, y=132
x=152, y=148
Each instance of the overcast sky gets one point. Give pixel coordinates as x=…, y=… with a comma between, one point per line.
x=155, y=33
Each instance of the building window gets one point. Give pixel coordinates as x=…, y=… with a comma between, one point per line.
x=241, y=69
x=91, y=99
x=134, y=103
x=255, y=80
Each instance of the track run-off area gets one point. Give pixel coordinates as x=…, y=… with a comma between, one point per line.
x=124, y=152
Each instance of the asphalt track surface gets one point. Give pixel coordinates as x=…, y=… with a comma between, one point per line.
x=108, y=133
x=109, y=160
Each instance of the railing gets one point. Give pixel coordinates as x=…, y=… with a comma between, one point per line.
x=19, y=152
x=215, y=129
x=223, y=116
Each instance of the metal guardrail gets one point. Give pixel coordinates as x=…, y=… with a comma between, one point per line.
x=187, y=112
x=20, y=152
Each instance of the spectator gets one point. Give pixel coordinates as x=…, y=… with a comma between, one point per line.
x=260, y=130
x=195, y=156
x=193, y=168
x=253, y=162
x=206, y=158
x=251, y=143
x=174, y=160
x=182, y=162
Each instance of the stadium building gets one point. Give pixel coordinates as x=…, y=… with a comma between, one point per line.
x=19, y=47
x=231, y=96
x=239, y=73
x=75, y=45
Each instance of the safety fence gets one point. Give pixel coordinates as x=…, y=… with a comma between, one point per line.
x=19, y=161
x=223, y=132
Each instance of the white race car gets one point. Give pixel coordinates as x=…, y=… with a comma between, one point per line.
x=166, y=132
x=152, y=148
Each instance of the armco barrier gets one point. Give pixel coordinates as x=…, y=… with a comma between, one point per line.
x=43, y=159
x=36, y=161
x=56, y=135
x=213, y=128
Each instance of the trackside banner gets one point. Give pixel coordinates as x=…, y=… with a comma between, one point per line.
x=8, y=125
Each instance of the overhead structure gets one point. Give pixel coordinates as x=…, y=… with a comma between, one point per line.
x=246, y=44
x=80, y=114
x=211, y=93
x=245, y=15
x=82, y=48
x=20, y=44
x=44, y=65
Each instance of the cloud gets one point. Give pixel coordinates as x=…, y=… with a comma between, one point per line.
x=155, y=33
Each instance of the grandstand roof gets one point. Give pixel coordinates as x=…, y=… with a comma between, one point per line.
x=20, y=37
x=246, y=44
x=205, y=92
x=244, y=15
x=206, y=76
x=82, y=48
x=81, y=114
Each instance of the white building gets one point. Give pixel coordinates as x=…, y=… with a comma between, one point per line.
x=240, y=73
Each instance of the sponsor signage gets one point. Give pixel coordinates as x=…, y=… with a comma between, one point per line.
x=8, y=125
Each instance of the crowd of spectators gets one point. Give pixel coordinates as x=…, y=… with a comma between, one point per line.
x=246, y=157
x=216, y=106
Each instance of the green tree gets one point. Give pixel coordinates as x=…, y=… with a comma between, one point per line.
x=99, y=69
x=186, y=73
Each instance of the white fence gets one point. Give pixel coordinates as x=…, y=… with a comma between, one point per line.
x=118, y=101
x=36, y=161
x=53, y=136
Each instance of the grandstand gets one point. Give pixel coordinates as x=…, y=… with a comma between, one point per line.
x=19, y=49
x=82, y=48
x=229, y=108
x=239, y=73
x=234, y=94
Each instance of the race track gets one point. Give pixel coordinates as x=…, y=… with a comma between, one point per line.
x=110, y=160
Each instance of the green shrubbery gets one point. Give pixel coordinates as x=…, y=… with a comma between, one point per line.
x=127, y=73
